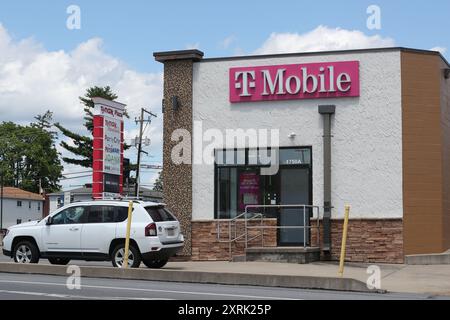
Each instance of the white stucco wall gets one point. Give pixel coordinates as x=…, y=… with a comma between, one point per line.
x=11, y=212
x=367, y=143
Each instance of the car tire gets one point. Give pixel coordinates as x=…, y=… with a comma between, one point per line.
x=134, y=256
x=26, y=252
x=59, y=261
x=155, y=264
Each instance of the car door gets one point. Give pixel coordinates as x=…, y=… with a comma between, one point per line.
x=98, y=231
x=64, y=234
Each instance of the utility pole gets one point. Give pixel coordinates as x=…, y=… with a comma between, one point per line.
x=141, y=121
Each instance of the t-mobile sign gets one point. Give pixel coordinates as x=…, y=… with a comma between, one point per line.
x=295, y=81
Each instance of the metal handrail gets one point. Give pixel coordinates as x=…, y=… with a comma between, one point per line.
x=261, y=227
x=236, y=238
x=281, y=206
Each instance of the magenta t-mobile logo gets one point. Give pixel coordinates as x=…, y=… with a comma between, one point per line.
x=294, y=81
x=248, y=81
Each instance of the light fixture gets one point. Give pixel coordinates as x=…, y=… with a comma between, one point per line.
x=292, y=135
x=175, y=103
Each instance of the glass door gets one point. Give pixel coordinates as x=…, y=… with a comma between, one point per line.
x=295, y=188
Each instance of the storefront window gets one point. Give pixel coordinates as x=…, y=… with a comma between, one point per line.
x=226, y=193
x=239, y=182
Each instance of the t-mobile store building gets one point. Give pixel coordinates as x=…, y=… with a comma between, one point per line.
x=368, y=128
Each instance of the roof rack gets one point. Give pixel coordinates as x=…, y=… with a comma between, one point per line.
x=134, y=199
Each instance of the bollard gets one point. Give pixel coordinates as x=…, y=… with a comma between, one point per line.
x=127, y=237
x=344, y=241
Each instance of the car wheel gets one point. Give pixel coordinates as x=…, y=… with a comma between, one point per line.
x=26, y=252
x=59, y=261
x=155, y=264
x=118, y=255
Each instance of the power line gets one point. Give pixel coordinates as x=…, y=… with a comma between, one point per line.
x=65, y=178
x=71, y=173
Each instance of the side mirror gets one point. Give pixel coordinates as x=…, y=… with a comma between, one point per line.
x=49, y=221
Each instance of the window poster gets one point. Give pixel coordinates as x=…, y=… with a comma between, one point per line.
x=249, y=191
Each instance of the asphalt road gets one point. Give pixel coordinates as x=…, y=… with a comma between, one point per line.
x=4, y=258
x=42, y=287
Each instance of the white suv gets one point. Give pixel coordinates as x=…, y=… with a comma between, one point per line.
x=95, y=231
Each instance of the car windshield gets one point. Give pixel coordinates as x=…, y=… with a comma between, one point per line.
x=159, y=214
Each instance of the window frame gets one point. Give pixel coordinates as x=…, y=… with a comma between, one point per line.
x=257, y=166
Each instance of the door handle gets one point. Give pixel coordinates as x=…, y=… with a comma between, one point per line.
x=74, y=229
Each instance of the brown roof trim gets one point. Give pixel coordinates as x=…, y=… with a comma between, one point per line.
x=16, y=193
x=163, y=56
x=316, y=53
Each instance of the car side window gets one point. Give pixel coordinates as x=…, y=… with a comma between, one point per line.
x=121, y=214
x=70, y=215
x=102, y=214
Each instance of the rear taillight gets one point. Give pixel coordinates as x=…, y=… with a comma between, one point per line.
x=150, y=230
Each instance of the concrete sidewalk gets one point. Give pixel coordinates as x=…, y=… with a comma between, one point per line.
x=433, y=280
x=430, y=279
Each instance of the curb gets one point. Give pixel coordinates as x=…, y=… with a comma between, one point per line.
x=285, y=281
x=428, y=259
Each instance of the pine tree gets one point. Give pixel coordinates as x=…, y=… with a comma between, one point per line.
x=44, y=122
x=83, y=144
x=158, y=185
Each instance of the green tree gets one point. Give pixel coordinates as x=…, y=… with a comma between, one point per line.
x=29, y=157
x=44, y=122
x=158, y=185
x=82, y=147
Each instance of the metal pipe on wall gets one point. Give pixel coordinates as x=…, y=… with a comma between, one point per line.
x=327, y=111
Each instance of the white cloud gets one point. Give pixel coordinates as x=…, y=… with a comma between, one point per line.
x=193, y=46
x=33, y=79
x=322, y=38
x=442, y=50
x=225, y=43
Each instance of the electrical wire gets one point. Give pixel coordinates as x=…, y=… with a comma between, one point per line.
x=65, y=178
x=80, y=172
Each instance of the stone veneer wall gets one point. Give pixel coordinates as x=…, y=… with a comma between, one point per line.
x=205, y=245
x=178, y=178
x=367, y=240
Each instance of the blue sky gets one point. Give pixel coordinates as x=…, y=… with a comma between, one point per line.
x=44, y=65
x=133, y=29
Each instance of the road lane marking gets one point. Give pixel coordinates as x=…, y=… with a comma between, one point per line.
x=68, y=296
x=153, y=290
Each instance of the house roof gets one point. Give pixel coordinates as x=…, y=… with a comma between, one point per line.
x=16, y=193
